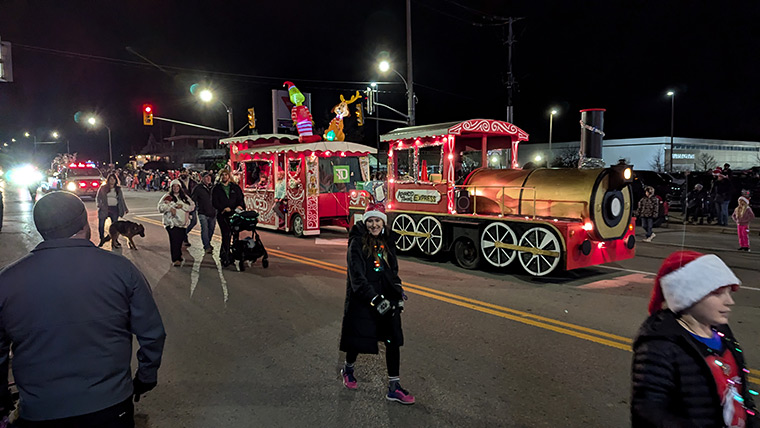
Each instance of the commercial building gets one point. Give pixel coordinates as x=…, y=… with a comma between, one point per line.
x=653, y=153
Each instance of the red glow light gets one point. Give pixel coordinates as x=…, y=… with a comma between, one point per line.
x=148, y=109
x=451, y=156
x=82, y=184
x=95, y=184
x=600, y=245
x=588, y=227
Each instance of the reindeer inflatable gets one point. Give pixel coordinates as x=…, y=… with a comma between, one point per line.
x=335, y=131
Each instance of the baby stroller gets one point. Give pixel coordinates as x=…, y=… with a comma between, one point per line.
x=249, y=248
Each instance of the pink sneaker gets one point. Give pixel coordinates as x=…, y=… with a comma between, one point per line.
x=349, y=381
x=401, y=395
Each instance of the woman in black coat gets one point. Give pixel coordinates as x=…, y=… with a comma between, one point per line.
x=688, y=370
x=374, y=301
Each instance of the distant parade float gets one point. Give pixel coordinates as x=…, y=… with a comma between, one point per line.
x=445, y=195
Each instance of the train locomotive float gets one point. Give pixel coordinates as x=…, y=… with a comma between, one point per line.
x=456, y=187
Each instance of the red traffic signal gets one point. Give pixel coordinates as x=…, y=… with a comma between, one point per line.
x=147, y=114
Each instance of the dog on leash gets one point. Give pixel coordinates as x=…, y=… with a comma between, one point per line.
x=128, y=229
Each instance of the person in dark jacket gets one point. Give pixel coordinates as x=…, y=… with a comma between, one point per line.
x=374, y=301
x=723, y=190
x=647, y=211
x=227, y=197
x=695, y=204
x=70, y=311
x=111, y=204
x=688, y=369
x=206, y=211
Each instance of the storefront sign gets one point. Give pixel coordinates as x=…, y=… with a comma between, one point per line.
x=419, y=196
x=683, y=156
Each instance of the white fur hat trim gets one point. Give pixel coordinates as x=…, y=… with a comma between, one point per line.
x=378, y=214
x=689, y=284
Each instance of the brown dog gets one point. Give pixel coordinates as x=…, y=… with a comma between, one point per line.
x=122, y=227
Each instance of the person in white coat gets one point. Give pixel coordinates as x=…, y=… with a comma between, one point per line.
x=176, y=207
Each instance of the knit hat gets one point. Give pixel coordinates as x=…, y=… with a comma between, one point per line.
x=742, y=198
x=59, y=215
x=686, y=277
x=376, y=210
x=173, y=182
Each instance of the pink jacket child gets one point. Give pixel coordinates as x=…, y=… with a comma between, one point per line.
x=743, y=215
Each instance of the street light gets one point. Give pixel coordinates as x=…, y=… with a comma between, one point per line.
x=93, y=121
x=672, y=96
x=384, y=66
x=207, y=96
x=551, y=127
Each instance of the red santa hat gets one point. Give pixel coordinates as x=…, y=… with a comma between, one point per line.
x=743, y=198
x=376, y=210
x=686, y=277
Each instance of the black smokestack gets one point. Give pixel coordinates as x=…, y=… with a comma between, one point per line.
x=592, y=134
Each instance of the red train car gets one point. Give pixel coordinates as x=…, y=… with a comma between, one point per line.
x=315, y=181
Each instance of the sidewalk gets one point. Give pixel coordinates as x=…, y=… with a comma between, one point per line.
x=699, y=237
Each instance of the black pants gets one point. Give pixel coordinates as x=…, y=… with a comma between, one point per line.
x=121, y=415
x=392, y=359
x=226, y=230
x=176, y=238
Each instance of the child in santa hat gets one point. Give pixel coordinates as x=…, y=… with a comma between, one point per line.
x=688, y=370
x=743, y=215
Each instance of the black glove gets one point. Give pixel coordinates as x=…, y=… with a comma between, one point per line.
x=139, y=387
x=6, y=403
x=381, y=304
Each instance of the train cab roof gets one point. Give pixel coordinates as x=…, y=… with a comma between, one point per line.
x=473, y=128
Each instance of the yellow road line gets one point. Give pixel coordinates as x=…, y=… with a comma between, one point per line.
x=596, y=336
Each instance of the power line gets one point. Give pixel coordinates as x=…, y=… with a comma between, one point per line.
x=138, y=64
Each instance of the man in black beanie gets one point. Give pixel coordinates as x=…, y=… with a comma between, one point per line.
x=70, y=309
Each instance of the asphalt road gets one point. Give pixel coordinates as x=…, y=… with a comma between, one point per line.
x=483, y=348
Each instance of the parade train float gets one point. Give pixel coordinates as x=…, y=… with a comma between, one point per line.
x=319, y=177
x=443, y=197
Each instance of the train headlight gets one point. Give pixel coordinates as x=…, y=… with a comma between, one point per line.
x=71, y=187
x=620, y=176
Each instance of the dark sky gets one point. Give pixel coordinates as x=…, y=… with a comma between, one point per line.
x=71, y=56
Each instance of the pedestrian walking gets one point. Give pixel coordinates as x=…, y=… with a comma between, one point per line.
x=227, y=197
x=111, y=204
x=176, y=206
x=374, y=301
x=69, y=311
x=688, y=369
x=647, y=211
x=188, y=185
x=723, y=190
x=743, y=215
x=206, y=212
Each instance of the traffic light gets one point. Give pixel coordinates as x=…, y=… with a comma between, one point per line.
x=147, y=114
x=370, y=92
x=251, y=118
x=359, y=114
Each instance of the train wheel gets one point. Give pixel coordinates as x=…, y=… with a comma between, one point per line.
x=432, y=242
x=297, y=226
x=466, y=253
x=492, y=241
x=545, y=258
x=403, y=225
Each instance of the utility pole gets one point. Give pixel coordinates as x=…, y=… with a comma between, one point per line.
x=511, y=82
x=409, y=74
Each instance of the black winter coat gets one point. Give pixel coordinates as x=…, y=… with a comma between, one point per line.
x=202, y=197
x=362, y=326
x=672, y=384
x=220, y=200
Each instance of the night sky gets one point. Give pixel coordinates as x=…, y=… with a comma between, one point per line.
x=623, y=56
